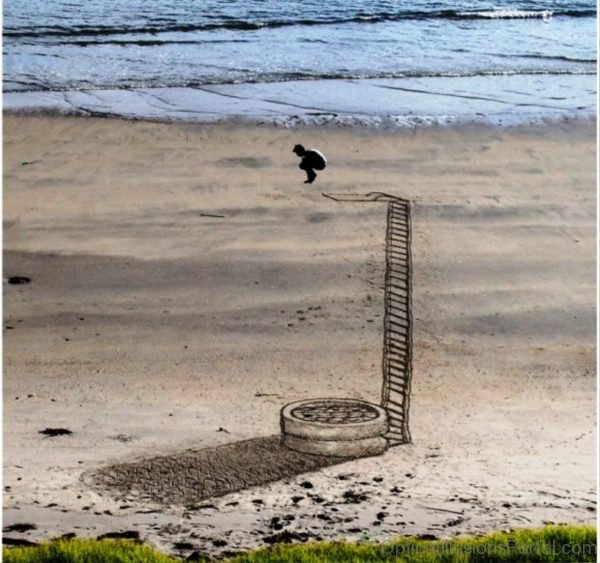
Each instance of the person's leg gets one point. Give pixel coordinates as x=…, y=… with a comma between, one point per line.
x=310, y=173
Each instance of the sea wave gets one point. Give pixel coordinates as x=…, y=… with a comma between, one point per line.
x=562, y=58
x=33, y=85
x=61, y=31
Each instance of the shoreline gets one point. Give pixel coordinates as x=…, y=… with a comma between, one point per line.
x=160, y=327
x=371, y=103
x=377, y=125
x=564, y=125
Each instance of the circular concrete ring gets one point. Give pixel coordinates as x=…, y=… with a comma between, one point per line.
x=339, y=448
x=328, y=422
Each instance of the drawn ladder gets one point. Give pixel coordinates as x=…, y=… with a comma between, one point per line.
x=397, y=348
x=397, y=329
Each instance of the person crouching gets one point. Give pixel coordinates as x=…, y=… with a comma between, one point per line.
x=312, y=160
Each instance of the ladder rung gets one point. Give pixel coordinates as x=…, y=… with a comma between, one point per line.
x=398, y=300
x=398, y=406
x=396, y=389
x=397, y=366
x=398, y=295
x=395, y=411
x=399, y=278
x=397, y=332
x=397, y=353
x=402, y=315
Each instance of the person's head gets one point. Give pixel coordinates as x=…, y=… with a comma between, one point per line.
x=299, y=150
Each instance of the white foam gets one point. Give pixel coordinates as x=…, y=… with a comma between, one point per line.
x=407, y=102
x=509, y=14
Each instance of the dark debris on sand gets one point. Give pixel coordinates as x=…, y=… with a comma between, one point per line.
x=18, y=280
x=352, y=497
x=18, y=542
x=288, y=536
x=127, y=535
x=24, y=527
x=52, y=432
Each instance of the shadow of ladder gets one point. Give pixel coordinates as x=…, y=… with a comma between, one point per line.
x=397, y=345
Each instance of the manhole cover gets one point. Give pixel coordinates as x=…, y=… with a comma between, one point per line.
x=335, y=412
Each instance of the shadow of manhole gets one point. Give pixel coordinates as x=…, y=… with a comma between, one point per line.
x=195, y=475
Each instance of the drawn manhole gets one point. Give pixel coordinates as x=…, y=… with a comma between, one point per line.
x=337, y=427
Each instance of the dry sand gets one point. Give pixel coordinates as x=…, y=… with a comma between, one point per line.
x=186, y=285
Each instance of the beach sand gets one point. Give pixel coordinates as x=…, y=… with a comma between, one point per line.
x=186, y=284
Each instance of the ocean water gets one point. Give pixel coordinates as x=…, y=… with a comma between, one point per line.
x=508, y=51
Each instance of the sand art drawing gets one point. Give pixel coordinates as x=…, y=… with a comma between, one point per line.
x=204, y=354
x=315, y=433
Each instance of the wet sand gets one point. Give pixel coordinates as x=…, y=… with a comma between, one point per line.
x=185, y=285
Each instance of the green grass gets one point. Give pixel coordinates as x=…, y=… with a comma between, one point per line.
x=553, y=543
x=549, y=544
x=85, y=551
